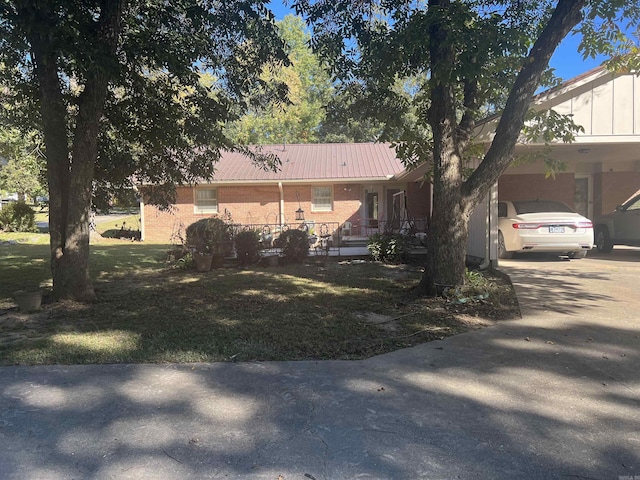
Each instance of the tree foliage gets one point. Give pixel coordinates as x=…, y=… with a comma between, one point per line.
x=296, y=120
x=23, y=172
x=17, y=217
x=469, y=59
x=116, y=89
x=317, y=110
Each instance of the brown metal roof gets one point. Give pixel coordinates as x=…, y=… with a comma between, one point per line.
x=309, y=161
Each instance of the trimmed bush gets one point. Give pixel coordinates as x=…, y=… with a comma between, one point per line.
x=209, y=235
x=248, y=247
x=294, y=245
x=389, y=247
x=17, y=217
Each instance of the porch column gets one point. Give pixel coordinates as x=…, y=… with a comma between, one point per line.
x=281, y=212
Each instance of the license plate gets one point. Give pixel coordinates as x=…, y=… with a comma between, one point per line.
x=556, y=229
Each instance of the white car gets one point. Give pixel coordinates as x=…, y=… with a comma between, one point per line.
x=542, y=226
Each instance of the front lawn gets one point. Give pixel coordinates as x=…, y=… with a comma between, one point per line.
x=148, y=311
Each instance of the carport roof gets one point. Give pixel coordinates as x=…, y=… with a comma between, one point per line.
x=604, y=103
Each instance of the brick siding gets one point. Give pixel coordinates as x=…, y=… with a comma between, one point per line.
x=612, y=188
x=532, y=186
x=251, y=204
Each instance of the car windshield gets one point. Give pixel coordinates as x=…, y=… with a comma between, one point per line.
x=540, y=206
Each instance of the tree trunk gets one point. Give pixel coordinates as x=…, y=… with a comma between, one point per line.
x=70, y=174
x=447, y=241
x=453, y=199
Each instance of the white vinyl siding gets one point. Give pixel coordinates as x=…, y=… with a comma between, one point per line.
x=206, y=200
x=322, y=200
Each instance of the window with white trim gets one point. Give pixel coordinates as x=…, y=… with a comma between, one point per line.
x=322, y=199
x=206, y=200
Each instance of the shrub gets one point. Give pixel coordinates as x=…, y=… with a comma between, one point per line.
x=179, y=258
x=209, y=235
x=17, y=217
x=248, y=247
x=389, y=247
x=123, y=233
x=294, y=245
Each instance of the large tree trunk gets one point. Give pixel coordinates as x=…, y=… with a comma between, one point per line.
x=446, y=244
x=453, y=199
x=70, y=173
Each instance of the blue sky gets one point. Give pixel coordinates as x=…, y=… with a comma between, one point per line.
x=567, y=62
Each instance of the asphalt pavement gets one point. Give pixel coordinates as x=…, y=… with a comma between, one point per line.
x=554, y=395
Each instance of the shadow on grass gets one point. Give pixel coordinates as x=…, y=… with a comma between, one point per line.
x=27, y=265
x=316, y=310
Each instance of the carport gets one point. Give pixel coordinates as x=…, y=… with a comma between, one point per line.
x=602, y=165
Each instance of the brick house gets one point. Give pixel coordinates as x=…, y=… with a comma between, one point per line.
x=352, y=187
x=356, y=187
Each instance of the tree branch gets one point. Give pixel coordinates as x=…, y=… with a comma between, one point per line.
x=568, y=14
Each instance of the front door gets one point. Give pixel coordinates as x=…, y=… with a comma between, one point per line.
x=582, y=197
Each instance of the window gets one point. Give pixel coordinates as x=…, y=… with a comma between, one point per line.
x=634, y=204
x=321, y=201
x=206, y=200
x=540, y=206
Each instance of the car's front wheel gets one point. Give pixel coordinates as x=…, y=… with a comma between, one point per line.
x=603, y=240
x=502, y=247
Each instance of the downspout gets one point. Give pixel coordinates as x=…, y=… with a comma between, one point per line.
x=281, y=212
x=142, y=223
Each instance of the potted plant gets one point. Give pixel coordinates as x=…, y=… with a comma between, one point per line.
x=209, y=239
x=28, y=300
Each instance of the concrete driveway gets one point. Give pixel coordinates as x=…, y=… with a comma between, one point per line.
x=555, y=395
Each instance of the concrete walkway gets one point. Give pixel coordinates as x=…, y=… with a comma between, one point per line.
x=553, y=395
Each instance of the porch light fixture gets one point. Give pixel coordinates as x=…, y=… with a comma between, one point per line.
x=299, y=211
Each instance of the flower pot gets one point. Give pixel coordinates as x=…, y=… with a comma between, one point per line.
x=217, y=260
x=28, y=301
x=203, y=262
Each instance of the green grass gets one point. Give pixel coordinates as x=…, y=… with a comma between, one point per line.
x=130, y=222
x=147, y=311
